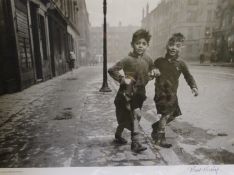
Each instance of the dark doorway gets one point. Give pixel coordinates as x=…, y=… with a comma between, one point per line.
x=42, y=37
x=51, y=28
x=36, y=41
x=2, y=30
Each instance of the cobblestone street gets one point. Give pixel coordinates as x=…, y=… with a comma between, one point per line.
x=67, y=122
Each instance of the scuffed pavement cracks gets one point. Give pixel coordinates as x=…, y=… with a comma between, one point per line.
x=67, y=122
x=39, y=134
x=96, y=128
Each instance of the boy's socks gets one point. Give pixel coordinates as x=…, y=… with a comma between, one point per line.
x=120, y=140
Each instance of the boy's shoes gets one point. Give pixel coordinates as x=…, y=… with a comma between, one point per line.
x=159, y=138
x=120, y=140
x=161, y=141
x=137, y=147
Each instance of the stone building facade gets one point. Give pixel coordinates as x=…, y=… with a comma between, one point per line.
x=193, y=18
x=224, y=31
x=37, y=38
x=118, y=42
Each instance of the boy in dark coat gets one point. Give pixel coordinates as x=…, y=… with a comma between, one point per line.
x=166, y=85
x=131, y=93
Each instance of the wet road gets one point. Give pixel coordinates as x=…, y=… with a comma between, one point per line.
x=204, y=133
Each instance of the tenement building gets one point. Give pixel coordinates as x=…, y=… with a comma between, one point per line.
x=193, y=18
x=118, y=41
x=36, y=38
x=224, y=31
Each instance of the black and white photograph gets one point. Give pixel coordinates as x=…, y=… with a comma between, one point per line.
x=117, y=87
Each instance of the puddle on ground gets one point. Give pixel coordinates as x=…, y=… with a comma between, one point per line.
x=217, y=156
x=65, y=115
x=72, y=78
x=194, y=137
x=191, y=134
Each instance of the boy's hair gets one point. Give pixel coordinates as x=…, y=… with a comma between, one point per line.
x=141, y=33
x=176, y=37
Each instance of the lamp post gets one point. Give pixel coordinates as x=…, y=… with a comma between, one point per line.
x=104, y=87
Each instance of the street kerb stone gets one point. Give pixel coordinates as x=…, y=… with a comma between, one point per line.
x=96, y=147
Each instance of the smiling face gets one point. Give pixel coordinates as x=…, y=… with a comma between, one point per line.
x=140, y=46
x=174, y=48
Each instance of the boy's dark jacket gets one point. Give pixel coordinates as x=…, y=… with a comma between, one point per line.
x=170, y=71
x=166, y=84
x=134, y=67
x=137, y=69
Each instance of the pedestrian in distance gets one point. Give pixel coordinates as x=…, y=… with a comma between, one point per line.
x=213, y=56
x=72, y=59
x=131, y=93
x=71, y=62
x=166, y=84
x=231, y=54
x=202, y=58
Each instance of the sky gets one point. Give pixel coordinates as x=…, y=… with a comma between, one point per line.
x=128, y=12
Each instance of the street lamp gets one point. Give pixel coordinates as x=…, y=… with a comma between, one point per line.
x=104, y=87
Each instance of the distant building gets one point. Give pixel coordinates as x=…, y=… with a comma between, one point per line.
x=84, y=30
x=36, y=38
x=96, y=45
x=224, y=30
x=118, y=41
x=193, y=18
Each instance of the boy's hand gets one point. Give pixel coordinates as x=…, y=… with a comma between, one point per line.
x=154, y=73
x=195, y=91
x=126, y=81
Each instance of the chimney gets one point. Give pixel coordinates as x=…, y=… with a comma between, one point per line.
x=147, y=9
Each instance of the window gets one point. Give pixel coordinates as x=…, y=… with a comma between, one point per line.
x=226, y=20
x=192, y=2
x=207, y=31
x=210, y=1
x=190, y=33
x=189, y=48
x=209, y=15
x=192, y=16
x=206, y=46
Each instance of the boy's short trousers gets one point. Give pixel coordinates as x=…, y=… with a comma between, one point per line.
x=124, y=116
x=167, y=104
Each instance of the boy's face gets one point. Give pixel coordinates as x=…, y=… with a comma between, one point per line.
x=174, y=48
x=139, y=46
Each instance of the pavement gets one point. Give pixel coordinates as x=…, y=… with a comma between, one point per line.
x=67, y=122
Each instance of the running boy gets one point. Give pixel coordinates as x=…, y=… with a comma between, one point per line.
x=131, y=93
x=166, y=85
